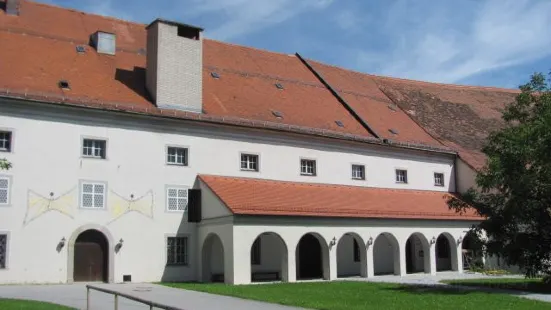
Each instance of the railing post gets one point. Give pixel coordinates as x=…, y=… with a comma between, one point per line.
x=116, y=302
x=87, y=297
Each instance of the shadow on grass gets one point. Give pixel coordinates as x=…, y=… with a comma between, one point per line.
x=530, y=287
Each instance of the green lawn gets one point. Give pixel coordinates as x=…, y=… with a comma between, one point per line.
x=16, y=304
x=364, y=295
x=520, y=284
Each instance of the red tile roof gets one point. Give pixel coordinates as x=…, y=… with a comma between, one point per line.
x=247, y=196
x=38, y=50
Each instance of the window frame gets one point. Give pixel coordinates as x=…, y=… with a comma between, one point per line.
x=81, y=193
x=105, y=140
x=256, y=252
x=186, y=157
x=241, y=154
x=315, y=168
x=11, y=133
x=406, y=179
x=363, y=172
x=176, y=187
x=443, y=183
x=186, y=254
x=10, y=185
x=7, y=254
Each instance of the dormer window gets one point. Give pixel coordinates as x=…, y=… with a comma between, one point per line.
x=104, y=42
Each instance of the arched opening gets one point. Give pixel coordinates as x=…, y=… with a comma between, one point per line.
x=472, y=253
x=351, y=256
x=269, y=258
x=312, y=258
x=446, y=253
x=386, y=255
x=91, y=257
x=417, y=254
x=213, y=259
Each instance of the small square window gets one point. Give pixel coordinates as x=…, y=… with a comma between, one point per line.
x=4, y=190
x=249, y=162
x=358, y=172
x=401, y=176
x=255, y=252
x=5, y=141
x=92, y=195
x=438, y=179
x=3, y=250
x=94, y=148
x=177, y=156
x=177, y=251
x=176, y=198
x=308, y=167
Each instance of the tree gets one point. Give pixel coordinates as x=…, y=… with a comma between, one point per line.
x=513, y=192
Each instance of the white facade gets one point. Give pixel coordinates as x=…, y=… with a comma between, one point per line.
x=49, y=170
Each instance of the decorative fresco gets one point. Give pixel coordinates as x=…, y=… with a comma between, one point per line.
x=38, y=205
x=120, y=206
x=67, y=205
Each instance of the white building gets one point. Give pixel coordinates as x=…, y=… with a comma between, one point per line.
x=153, y=154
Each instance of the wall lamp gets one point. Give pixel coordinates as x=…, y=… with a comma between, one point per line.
x=119, y=246
x=370, y=241
x=62, y=242
x=460, y=239
x=433, y=240
x=333, y=241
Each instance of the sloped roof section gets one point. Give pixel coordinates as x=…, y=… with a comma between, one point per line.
x=461, y=117
x=247, y=196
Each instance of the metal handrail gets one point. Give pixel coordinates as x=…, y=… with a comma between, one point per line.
x=151, y=304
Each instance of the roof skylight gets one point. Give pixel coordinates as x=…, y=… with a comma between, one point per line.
x=339, y=123
x=277, y=114
x=63, y=84
x=215, y=75
x=279, y=86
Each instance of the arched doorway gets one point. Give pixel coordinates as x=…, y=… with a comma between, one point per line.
x=269, y=258
x=417, y=254
x=446, y=253
x=386, y=255
x=472, y=253
x=312, y=258
x=91, y=257
x=213, y=259
x=351, y=256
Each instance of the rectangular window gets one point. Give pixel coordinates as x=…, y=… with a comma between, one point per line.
x=5, y=141
x=307, y=167
x=249, y=162
x=255, y=252
x=358, y=172
x=92, y=195
x=401, y=176
x=177, y=251
x=4, y=190
x=356, y=251
x=94, y=148
x=176, y=199
x=3, y=250
x=438, y=179
x=177, y=156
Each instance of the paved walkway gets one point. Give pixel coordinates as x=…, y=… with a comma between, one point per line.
x=74, y=295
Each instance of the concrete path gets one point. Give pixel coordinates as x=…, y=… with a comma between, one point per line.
x=74, y=295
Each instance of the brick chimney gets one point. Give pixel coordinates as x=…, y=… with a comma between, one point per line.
x=12, y=7
x=174, y=65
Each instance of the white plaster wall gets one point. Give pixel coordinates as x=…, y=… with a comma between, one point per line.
x=465, y=176
x=46, y=158
x=346, y=266
x=245, y=231
x=383, y=256
x=212, y=206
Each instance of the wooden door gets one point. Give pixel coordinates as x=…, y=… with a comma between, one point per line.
x=89, y=264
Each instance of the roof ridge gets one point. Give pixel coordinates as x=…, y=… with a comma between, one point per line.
x=299, y=183
x=50, y=5
x=481, y=87
x=252, y=48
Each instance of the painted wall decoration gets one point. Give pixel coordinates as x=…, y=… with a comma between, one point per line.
x=120, y=206
x=38, y=205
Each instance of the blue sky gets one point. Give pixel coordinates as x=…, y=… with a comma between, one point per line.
x=475, y=42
